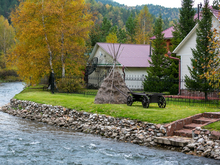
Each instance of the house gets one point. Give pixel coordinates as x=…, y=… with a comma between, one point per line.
x=167, y=36
x=184, y=49
x=133, y=59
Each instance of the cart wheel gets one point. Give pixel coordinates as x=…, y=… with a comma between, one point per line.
x=162, y=102
x=129, y=101
x=145, y=102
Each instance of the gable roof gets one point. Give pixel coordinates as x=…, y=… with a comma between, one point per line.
x=131, y=55
x=167, y=33
x=216, y=13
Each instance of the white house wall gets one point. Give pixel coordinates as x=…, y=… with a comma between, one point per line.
x=133, y=76
x=103, y=57
x=186, y=52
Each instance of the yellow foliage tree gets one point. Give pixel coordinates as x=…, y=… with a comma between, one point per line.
x=7, y=35
x=144, y=28
x=213, y=70
x=112, y=38
x=50, y=36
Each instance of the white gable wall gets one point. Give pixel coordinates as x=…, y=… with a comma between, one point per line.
x=185, y=52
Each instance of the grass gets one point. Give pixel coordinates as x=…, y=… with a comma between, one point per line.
x=213, y=127
x=79, y=102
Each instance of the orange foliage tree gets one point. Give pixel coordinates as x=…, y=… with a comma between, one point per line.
x=50, y=36
x=213, y=67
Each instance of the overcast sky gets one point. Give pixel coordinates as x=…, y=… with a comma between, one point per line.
x=165, y=3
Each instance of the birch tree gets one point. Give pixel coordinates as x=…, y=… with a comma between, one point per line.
x=50, y=36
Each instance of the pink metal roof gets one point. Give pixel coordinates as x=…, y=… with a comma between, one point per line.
x=216, y=13
x=131, y=55
x=167, y=33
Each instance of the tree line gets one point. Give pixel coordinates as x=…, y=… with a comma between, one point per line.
x=52, y=36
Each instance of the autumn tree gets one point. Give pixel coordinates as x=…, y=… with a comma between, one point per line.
x=112, y=38
x=50, y=35
x=202, y=54
x=7, y=35
x=144, y=27
x=213, y=68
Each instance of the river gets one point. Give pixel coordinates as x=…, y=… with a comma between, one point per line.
x=27, y=142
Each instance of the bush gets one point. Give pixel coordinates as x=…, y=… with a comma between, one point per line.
x=12, y=78
x=70, y=85
x=174, y=89
x=155, y=84
x=7, y=73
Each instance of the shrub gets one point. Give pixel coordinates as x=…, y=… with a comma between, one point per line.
x=70, y=85
x=7, y=73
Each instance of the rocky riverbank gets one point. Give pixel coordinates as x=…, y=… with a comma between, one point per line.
x=133, y=131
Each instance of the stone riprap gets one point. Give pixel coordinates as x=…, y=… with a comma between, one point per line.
x=137, y=132
x=133, y=131
x=202, y=145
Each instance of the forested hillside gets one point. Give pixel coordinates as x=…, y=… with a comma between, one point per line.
x=169, y=13
x=117, y=13
x=6, y=6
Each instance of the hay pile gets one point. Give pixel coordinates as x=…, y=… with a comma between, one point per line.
x=110, y=95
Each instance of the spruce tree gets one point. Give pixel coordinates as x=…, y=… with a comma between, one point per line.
x=159, y=64
x=105, y=28
x=215, y=4
x=130, y=27
x=201, y=54
x=185, y=24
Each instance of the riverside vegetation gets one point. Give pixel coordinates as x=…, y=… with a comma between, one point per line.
x=79, y=102
x=57, y=109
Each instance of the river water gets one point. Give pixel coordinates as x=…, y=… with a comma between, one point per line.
x=27, y=142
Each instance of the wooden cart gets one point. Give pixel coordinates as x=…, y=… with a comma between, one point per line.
x=146, y=99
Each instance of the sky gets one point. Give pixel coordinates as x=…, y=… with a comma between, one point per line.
x=165, y=3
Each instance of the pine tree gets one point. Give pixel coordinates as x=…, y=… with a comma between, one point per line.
x=105, y=28
x=215, y=4
x=185, y=24
x=122, y=37
x=130, y=27
x=201, y=54
x=159, y=64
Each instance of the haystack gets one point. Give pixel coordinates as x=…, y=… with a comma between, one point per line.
x=108, y=93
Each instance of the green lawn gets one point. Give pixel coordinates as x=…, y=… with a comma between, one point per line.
x=153, y=114
x=213, y=127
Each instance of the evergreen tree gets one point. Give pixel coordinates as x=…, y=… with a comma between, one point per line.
x=130, y=27
x=122, y=37
x=6, y=6
x=201, y=54
x=215, y=4
x=185, y=24
x=105, y=28
x=155, y=81
x=95, y=35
